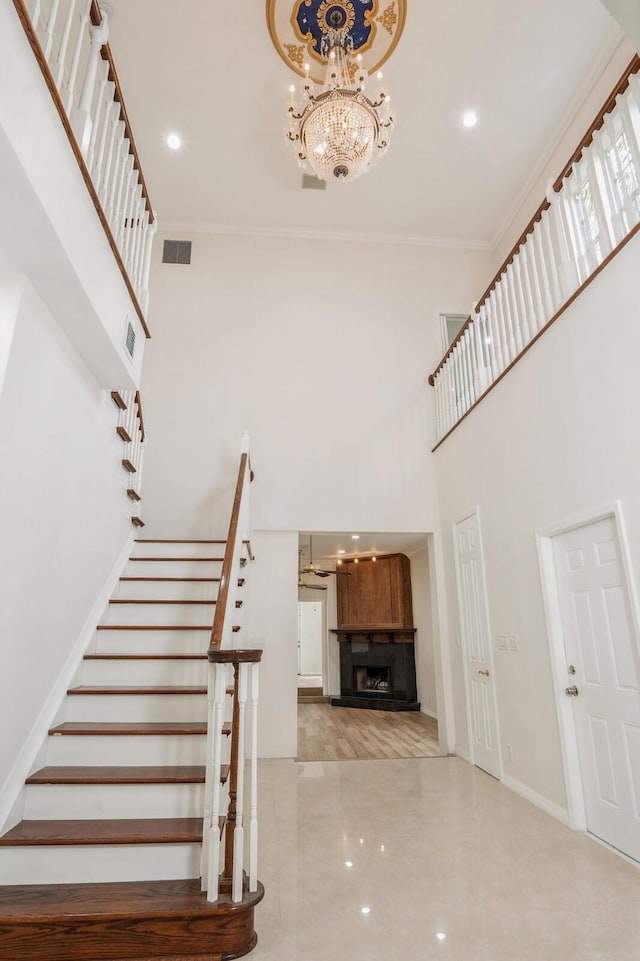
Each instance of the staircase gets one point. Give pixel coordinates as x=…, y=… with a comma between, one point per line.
x=105, y=862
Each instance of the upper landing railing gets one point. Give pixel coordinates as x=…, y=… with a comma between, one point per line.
x=587, y=216
x=69, y=40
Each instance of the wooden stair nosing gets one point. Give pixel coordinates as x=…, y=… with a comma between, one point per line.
x=114, y=774
x=196, y=580
x=150, y=627
x=162, y=600
x=125, y=690
x=200, y=560
x=145, y=657
x=133, y=494
x=128, y=466
x=107, y=831
x=118, y=400
x=132, y=728
x=148, y=540
x=137, y=522
x=123, y=434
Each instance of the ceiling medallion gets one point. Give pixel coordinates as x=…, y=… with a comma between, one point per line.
x=340, y=130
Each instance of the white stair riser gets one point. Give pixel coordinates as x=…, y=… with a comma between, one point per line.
x=83, y=801
x=173, y=568
x=188, y=549
x=172, y=590
x=126, y=750
x=136, y=707
x=147, y=672
x=100, y=862
x=178, y=615
x=152, y=642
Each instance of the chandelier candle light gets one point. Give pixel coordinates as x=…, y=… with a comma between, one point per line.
x=339, y=132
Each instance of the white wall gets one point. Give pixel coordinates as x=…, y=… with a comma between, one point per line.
x=64, y=515
x=321, y=351
x=423, y=622
x=556, y=438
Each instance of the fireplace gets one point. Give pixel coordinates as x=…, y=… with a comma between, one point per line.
x=377, y=669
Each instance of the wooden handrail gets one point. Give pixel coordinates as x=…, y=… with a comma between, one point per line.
x=227, y=564
x=139, y=404
x=607, y=107
x=96, y=20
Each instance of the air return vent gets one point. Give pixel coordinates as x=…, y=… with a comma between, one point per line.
x=309, y=182
x=176, y=252
x=129, y=339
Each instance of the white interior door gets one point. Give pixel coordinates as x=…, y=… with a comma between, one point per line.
x=309, y=637
x=602, y=678
x=474, y=625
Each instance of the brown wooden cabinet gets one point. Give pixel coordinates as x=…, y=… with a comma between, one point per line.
x=378, y=593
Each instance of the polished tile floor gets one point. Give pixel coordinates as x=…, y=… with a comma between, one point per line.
x=430, y=860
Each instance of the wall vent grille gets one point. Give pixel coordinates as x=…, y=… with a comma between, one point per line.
x=129, y=339
x=176, y=252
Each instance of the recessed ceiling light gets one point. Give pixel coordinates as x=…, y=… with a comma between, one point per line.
x=469, y=118
x=174, y=142
x=366, y=910
x=441, y=936
x=348, y=864
x=341, y=552
x=355, y=537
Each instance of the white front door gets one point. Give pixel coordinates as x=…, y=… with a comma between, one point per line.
x=603, y=670
x=474, y=625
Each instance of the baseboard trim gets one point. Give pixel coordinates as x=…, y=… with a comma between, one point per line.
x=549, y=807
x=424, y=710
x=12, y=789
x=462, y=752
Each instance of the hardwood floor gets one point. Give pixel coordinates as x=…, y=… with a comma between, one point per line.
x=328, y=733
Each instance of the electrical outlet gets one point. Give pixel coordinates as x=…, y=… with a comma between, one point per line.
x=501, y=642
x=513, y=642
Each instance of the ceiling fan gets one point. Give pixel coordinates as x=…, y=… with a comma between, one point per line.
x=315, y=569
x=311, y=587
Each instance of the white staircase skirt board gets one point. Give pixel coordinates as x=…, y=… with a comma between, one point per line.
x=173, y=568
x=136, y=707
x=149, y=672
x=106, y=801
x=99, y=862
x=177, y=549
x=177, y=615
x=175, y=590
x=152, y=642
x=126, y=749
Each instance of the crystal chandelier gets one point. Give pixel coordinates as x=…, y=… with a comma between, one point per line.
x=339, y=132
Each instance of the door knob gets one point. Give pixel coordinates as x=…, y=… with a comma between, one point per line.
x=484, y=673
x=571, y=691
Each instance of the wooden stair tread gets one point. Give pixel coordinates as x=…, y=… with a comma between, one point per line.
x=182, y=580
x=109, y=728
x=104, y=900
x=182, y=559
x=150, y=540
x=88, y=689
x=145, y=657
x=161, y=600
x=180, y=774
x=150, y=627
x=110, y=831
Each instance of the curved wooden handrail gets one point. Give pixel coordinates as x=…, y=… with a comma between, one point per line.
x=607, y=107
x=96, y=19
x=227, y=564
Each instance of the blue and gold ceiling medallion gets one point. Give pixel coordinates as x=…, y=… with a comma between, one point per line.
x=297, y=27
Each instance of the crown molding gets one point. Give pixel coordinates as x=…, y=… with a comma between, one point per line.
x=406, y=240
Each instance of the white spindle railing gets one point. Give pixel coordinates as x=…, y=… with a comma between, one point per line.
x=587, y=214
x=73, y=38
x=232, y=669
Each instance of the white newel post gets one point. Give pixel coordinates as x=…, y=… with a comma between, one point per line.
x=215, y=749
x=81, y=119
x=238, y=841
x=253, y=827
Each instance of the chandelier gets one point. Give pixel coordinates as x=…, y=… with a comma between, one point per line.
x=340, y=131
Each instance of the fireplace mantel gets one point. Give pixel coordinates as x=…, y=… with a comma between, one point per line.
x=375, y=635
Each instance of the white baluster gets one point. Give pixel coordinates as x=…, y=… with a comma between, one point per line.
x=253, y=827
x=238, y=837
x=600, y=201
x=509, y=344
x=208, y=777
x=139, y=260
x=469, y=350
x=97, y=125
x=535, y=285
x=215, y=747
x=75, y=60
x=129, y=211
x=110, y=118
x=450, y=393
x=524, y=291
x=561, y=275
x=464, y=374
x=575, y=211
x=495, y=347
x=459, y=388
x=622, y=105
x=146, y=269
x=47, y=37
x=482, y=372
x=81, y=121
x=121, y=152
x=137, y=237
x=614, y=202
x=64, y=43
x=547, y=262
x=511, y=302
x=107, y=170
x=123, y=199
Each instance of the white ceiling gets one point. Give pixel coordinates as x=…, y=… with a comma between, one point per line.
x=208, y=70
